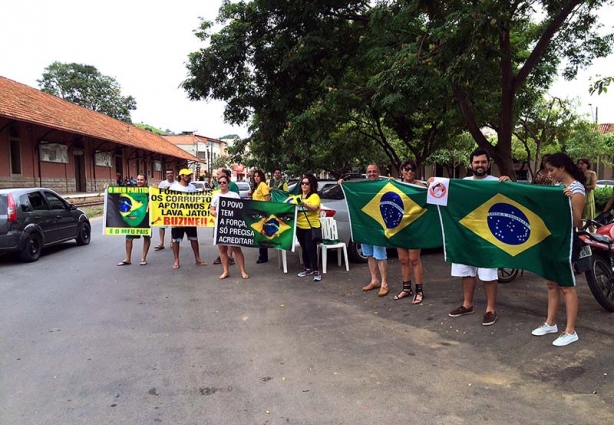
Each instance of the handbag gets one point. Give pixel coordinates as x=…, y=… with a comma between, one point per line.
x=316, y=232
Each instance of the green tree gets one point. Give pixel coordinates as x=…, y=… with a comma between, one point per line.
x=84, y=85
x=499, y=57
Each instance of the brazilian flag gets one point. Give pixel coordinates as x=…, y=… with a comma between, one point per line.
x=278, y=195
x=491, y=224
x=392, y=214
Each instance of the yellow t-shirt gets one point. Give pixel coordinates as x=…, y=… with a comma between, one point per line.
x=313, y=216
x=261, y=192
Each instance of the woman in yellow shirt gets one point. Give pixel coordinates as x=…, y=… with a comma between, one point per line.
x=308, y=217
x=261, y=193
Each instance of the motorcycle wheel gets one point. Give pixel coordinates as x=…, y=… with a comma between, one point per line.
x=600, y=280
x=506, y=275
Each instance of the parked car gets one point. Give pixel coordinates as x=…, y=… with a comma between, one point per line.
x=322, y=184
x=333, y=199
x=200, y=185
x=244, y=190
x=34, y=218
x=605, y=183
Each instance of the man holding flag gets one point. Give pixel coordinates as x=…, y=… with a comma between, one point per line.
x=480, y=164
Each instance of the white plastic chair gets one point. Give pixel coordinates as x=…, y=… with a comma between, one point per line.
x=329, y=231
x=282, y=256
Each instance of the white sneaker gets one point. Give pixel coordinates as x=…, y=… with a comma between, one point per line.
x=565, y=339
x=317, y=277
x=545, y=329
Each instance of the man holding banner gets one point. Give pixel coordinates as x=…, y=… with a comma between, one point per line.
x=183, y=185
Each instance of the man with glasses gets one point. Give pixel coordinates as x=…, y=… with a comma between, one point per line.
x=165, y=184
x=183, y=185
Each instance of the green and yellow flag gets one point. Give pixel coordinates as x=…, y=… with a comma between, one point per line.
x=492, y=224
x=392, y=214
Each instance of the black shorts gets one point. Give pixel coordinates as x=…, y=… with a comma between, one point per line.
x=130, y=237
x=178, y=232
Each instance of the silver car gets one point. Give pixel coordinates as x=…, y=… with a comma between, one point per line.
x=244, y=190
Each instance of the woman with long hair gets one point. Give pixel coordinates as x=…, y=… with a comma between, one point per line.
x=261, y=193
x=563, y=170
x=410, y=258
x=308, y=218
x=226, y=250
x=590, y=183
x=541, y=176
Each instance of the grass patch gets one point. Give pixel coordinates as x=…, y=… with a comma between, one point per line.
x=93, y=211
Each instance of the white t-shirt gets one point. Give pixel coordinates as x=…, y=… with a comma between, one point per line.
x=177, y=187
x=164, y=184
x=488, y=177
x=216, y=199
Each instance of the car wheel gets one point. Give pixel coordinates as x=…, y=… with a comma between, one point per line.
x=84, y=234
x=32, y=249
x=355, y=253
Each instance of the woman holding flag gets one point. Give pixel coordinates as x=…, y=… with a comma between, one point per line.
x=410, y=258
x=563, y=170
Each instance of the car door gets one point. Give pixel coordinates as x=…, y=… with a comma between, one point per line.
x=35, y=210
x=66, y=220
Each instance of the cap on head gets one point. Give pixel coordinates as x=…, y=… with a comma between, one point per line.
x=185, y=172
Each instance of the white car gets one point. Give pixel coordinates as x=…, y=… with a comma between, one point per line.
x=200, y=186
x=605, y=183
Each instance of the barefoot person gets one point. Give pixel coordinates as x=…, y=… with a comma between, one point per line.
x=410, y=258
x=183, y=185
x=225, y=250
x=562, y=169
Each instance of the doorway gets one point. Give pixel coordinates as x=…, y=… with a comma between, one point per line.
x=80, y=183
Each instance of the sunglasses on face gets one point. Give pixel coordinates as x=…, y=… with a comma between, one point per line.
x=408, y=168
x=305, y=183
x=223, y=182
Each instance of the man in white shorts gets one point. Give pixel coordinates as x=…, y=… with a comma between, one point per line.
x=480, y=164
x=165, y=184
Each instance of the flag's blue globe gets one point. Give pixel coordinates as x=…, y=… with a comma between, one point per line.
x=270, y=227
x=508, y=224
x=391, y=208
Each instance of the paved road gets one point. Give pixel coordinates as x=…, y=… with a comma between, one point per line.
x=86, y=342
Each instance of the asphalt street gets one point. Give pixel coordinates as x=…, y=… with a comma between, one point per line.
x=86, y=342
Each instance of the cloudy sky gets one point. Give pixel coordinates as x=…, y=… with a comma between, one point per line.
x=144, y=45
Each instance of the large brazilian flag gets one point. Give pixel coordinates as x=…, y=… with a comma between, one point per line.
x=392, y=214
x=492, y=224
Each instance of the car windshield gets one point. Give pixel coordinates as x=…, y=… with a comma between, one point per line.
x=332, y=193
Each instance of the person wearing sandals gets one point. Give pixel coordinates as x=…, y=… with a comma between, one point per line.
x=308, y=217
x=226, y=250
x=377, y=257
x=165, y=184
x=562, y=169
x=410, y=258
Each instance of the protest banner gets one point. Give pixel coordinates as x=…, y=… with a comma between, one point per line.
x=180, y=209
x=125, y=211
x=255, y=224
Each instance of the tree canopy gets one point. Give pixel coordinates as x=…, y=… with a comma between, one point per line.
x=86, y=86
x=408, y=76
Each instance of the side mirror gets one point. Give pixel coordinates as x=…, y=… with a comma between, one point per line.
x=72, y=207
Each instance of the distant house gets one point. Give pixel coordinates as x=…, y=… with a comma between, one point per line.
x=206, y=149
x=49, y=142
